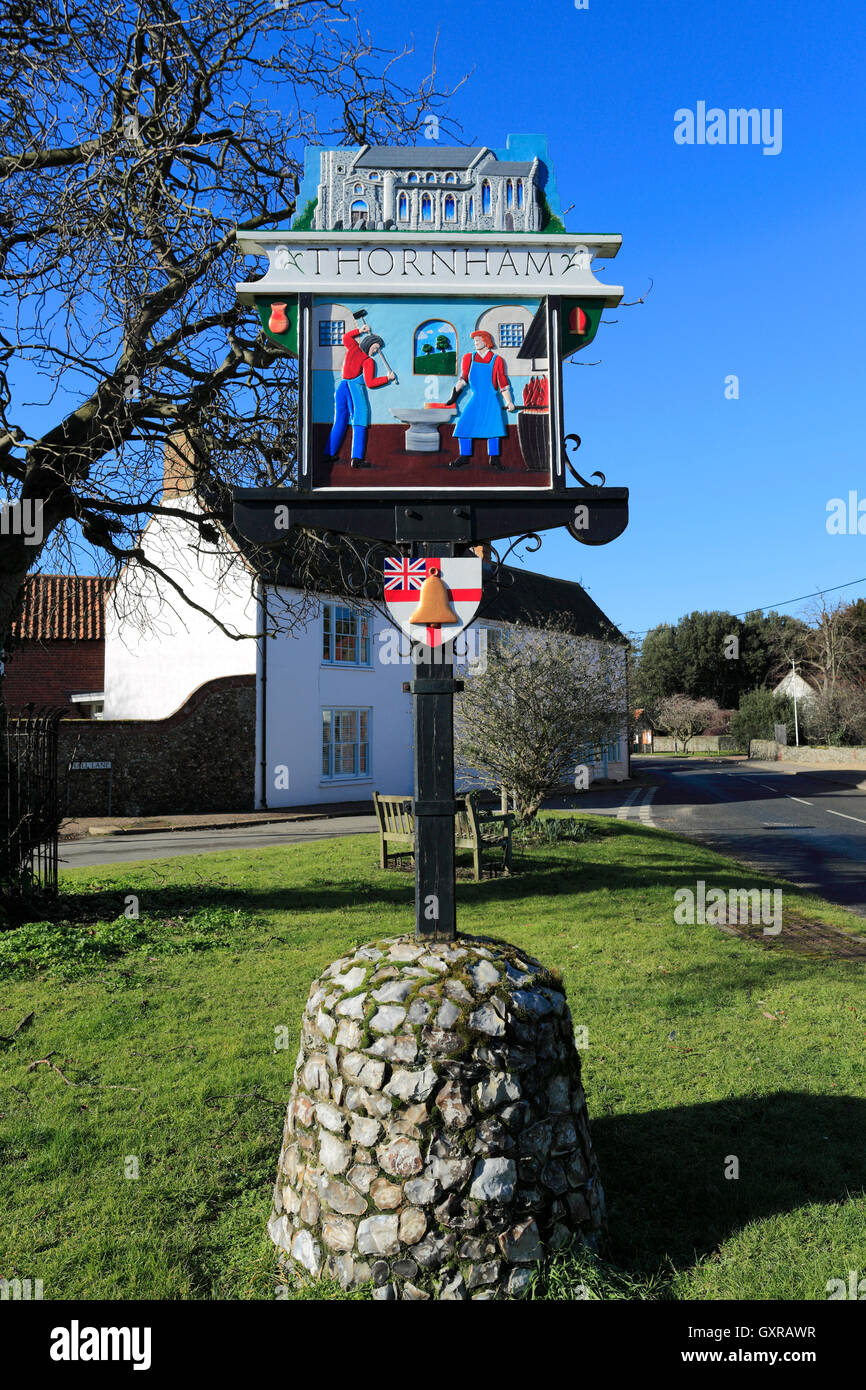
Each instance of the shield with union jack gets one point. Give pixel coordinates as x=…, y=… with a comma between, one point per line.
x=403, y=583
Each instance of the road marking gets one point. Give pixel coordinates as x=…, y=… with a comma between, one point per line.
x=859, y=819
x=644, y=813
x=622, y=813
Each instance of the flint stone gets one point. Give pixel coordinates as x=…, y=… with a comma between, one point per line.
x=454, y=1289
x=419, y=1011
x=316, y=1076
x=402, y=1158
x=413, y=1224
x=493, y=1180
x=518, y=1282
x=412, y=1292
x=308, y=1209
x=378, y=1235
x=448, y=1014
x=348, y=1034
x=411, y=1085
x=517, y=977
x=338, y=1232
x=427, y=1253
x=433, y=963
x=553, y=1176
x=453, y=1103
x=576, y=1170
x=404, y=950
x=386, y=1294
x=387, y=1018
x=341, y=1198
x=474, y=1249
x=455, y=989
x=522, y=1243
x=307, y=1253
x=483, y=1274
x=304, y=1110
x=325, y=1024
x=402, y=1048
x=394, y=992
x=334, y=1155
x=498, y=1089
x=351, y=980
x=330, y=1118
x=280, y=1232
x=564, y=1136
x=531, y=1002
x=404, y=1269
x=486, y=1020
x=439, y=1040
x=450, y=1172
x=492, y=1137
x=557, y=1094
x=352, y=1008
x=535, y=1142
x=421, y=1191
x=385, y=1194
x=381, y=1272
x=483, y=975
x=377, y=1105
x=361, y=1175
x=365, y=1131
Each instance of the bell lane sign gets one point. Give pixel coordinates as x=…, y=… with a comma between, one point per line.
x=431, y=264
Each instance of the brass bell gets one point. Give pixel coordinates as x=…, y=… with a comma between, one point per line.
x=433, y=609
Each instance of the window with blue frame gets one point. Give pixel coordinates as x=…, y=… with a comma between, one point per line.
x=331, y=332
x=511, y=335
x=345, y=636
x=345, y=743
x=485, y=196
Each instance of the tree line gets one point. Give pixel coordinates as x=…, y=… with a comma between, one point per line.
x=687, y=674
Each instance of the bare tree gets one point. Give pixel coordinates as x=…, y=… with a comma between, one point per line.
x=543, y=695
x=136, y=137
x=684, y=717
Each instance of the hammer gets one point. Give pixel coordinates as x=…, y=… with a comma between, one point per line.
x=361, y=318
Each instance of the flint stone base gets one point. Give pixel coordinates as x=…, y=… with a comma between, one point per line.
x=437, y=1139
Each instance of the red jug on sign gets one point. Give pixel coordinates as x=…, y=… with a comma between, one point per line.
x=278, y=323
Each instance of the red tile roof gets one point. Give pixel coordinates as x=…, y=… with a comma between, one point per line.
x=62, y=607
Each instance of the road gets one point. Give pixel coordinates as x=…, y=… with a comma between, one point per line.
x=115, y=849
x=798, y=825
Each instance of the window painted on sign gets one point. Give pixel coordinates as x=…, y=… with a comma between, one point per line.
x=403, y=208
x=450, y=209
x=485, y=196
x=345, y=636
x=345, y=743
x=331, y=332
x=519, y=193
x=449, y=178
x=511, y=335
x=426, y=208
x=471, y=209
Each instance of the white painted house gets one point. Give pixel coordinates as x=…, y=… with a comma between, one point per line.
x=332, y=720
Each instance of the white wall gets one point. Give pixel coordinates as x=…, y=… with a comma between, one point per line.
x=299, y=687
x=158, y=650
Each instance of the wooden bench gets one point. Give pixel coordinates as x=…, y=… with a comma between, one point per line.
x=474, y=829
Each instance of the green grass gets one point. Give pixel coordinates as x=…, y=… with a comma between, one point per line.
x=167, y=1030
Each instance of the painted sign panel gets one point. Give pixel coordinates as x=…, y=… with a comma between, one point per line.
x=404, y=582
x=406, y=393
x=430, y=294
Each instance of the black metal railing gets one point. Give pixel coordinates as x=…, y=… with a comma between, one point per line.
x=30, y=800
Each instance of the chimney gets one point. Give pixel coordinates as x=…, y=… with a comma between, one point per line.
x=178, y=472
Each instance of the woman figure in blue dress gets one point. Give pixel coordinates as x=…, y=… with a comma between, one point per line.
x=483, y=371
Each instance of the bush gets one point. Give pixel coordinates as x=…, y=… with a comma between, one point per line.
x=759, y=711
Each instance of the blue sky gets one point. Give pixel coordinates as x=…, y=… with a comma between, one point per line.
x=755, y=264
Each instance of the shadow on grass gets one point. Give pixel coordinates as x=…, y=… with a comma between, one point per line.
x=663, y=1171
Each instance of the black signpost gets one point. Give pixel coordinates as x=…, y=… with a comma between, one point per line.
x=472, y=290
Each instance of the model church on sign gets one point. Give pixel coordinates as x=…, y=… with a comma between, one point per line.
x=428, y=188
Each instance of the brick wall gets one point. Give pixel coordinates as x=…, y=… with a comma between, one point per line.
x=201, y=758
x=47, y=672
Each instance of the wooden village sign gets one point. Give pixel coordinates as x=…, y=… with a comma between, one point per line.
x=431, y=296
